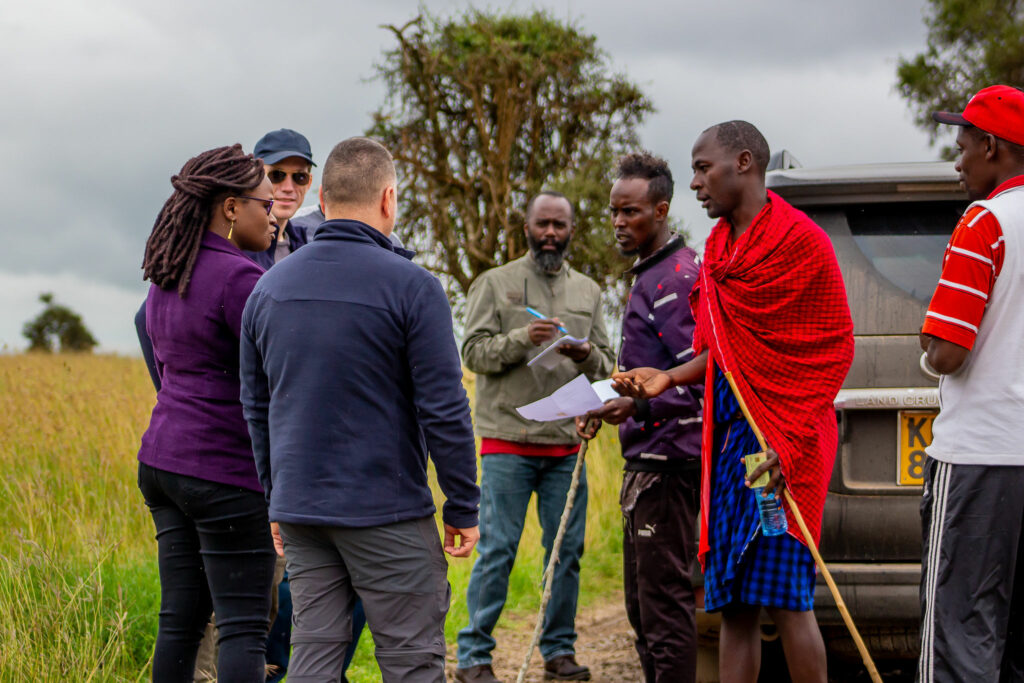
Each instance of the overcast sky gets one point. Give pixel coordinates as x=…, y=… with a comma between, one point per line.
x=104, y=100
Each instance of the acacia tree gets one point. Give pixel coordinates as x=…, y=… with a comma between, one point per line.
x=57, y=326
x=483, y=111
x=971, y=44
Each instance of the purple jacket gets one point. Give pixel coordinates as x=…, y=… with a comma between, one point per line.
x=657, y=332
x=197, y=427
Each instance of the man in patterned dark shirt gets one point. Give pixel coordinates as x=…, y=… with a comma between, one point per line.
x=660, y=436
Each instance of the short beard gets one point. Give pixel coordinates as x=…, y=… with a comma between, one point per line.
x=549, y=261
x=629, y=252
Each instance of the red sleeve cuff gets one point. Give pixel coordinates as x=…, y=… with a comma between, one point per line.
x=960, y=336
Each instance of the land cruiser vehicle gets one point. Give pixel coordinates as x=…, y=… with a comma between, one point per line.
x=889, y=224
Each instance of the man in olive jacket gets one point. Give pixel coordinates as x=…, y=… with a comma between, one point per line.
x=503, y=333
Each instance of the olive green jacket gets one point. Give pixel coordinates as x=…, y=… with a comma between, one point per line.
x=497, y=347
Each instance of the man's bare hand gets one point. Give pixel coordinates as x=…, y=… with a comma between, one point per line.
x=617, y=410
x=776, y=482
x=467, y=539
x=275, y=532
x=587, y=426
x=577, y=352
x=543, y=330
x=641, y=382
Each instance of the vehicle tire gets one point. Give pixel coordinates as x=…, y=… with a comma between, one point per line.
x=707, y=663
x=883, y=642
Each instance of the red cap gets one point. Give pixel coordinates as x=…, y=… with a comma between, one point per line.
x=997, y=109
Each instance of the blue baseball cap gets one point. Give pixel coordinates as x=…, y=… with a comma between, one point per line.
x=282, y=144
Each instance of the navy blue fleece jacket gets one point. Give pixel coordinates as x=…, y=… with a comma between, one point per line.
x=350, y=376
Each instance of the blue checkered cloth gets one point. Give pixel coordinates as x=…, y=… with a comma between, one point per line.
x=742, y=566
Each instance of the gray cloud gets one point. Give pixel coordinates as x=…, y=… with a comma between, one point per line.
x=757, y=34
x=103, y=101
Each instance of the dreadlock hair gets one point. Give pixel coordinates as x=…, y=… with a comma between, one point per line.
x=204, y=180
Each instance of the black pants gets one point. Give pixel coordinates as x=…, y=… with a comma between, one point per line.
x=659, y=512
x=972, y=574
x=215, y=554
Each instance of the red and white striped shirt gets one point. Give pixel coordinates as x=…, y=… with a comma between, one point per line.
x=973, y=261
x=979, y=423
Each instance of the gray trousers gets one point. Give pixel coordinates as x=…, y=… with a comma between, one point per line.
x=400, y=573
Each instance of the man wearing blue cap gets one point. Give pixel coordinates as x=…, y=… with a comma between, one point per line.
x=288, y=161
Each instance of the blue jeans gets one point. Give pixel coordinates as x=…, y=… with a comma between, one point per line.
x=279, y=646
x=506, y=484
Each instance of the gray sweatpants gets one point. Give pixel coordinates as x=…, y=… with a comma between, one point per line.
x=972, y=574
x=400, y=573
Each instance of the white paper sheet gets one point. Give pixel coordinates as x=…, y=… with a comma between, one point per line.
x=604, y=391
x=575, y=398
x=550, y=357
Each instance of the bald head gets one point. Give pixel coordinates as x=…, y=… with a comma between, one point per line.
x=357, y=172
x=739, y=136
x=729, y=162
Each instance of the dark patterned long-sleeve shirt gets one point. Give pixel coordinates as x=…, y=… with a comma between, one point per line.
x=657, y=332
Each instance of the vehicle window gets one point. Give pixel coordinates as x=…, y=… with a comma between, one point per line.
x=905, y=242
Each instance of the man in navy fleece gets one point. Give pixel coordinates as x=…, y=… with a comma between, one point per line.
x=350, y=376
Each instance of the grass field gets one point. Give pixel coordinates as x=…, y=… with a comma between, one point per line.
x=79, y=589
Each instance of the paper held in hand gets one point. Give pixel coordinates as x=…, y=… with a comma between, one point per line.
x=550, y=357
x=570, y=400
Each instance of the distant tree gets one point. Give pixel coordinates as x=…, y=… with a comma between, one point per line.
x=971, y=44
x=57, y=327
x=483, y=111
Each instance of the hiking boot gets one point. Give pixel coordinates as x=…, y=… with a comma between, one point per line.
x=565, y=668
x=481, y=673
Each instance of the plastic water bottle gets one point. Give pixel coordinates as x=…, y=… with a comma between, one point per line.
x=773, y=517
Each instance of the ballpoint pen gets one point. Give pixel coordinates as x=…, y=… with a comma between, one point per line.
x=537, y=314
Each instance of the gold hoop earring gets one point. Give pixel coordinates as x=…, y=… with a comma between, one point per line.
x=231, y=229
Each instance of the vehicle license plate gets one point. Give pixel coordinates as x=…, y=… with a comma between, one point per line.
x=915, y=434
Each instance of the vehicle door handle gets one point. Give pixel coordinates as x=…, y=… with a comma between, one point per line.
x=926, y=369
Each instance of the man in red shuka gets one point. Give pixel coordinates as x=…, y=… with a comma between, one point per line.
x=771, y=310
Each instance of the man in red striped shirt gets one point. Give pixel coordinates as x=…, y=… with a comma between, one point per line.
x=972, y=583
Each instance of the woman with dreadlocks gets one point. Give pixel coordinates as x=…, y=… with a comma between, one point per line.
x=196, y=468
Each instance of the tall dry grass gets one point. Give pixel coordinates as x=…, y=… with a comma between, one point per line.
x=79, y=589
x=77, y=567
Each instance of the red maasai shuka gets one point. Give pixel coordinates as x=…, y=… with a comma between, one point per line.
x=772, y=309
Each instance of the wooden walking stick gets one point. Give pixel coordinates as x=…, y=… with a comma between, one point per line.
x=861, y=647
x=549, y=571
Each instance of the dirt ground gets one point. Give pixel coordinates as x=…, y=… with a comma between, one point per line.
x=605, y=645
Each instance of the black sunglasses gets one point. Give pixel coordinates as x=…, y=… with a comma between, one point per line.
x=268, y=204
x=298, y=177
